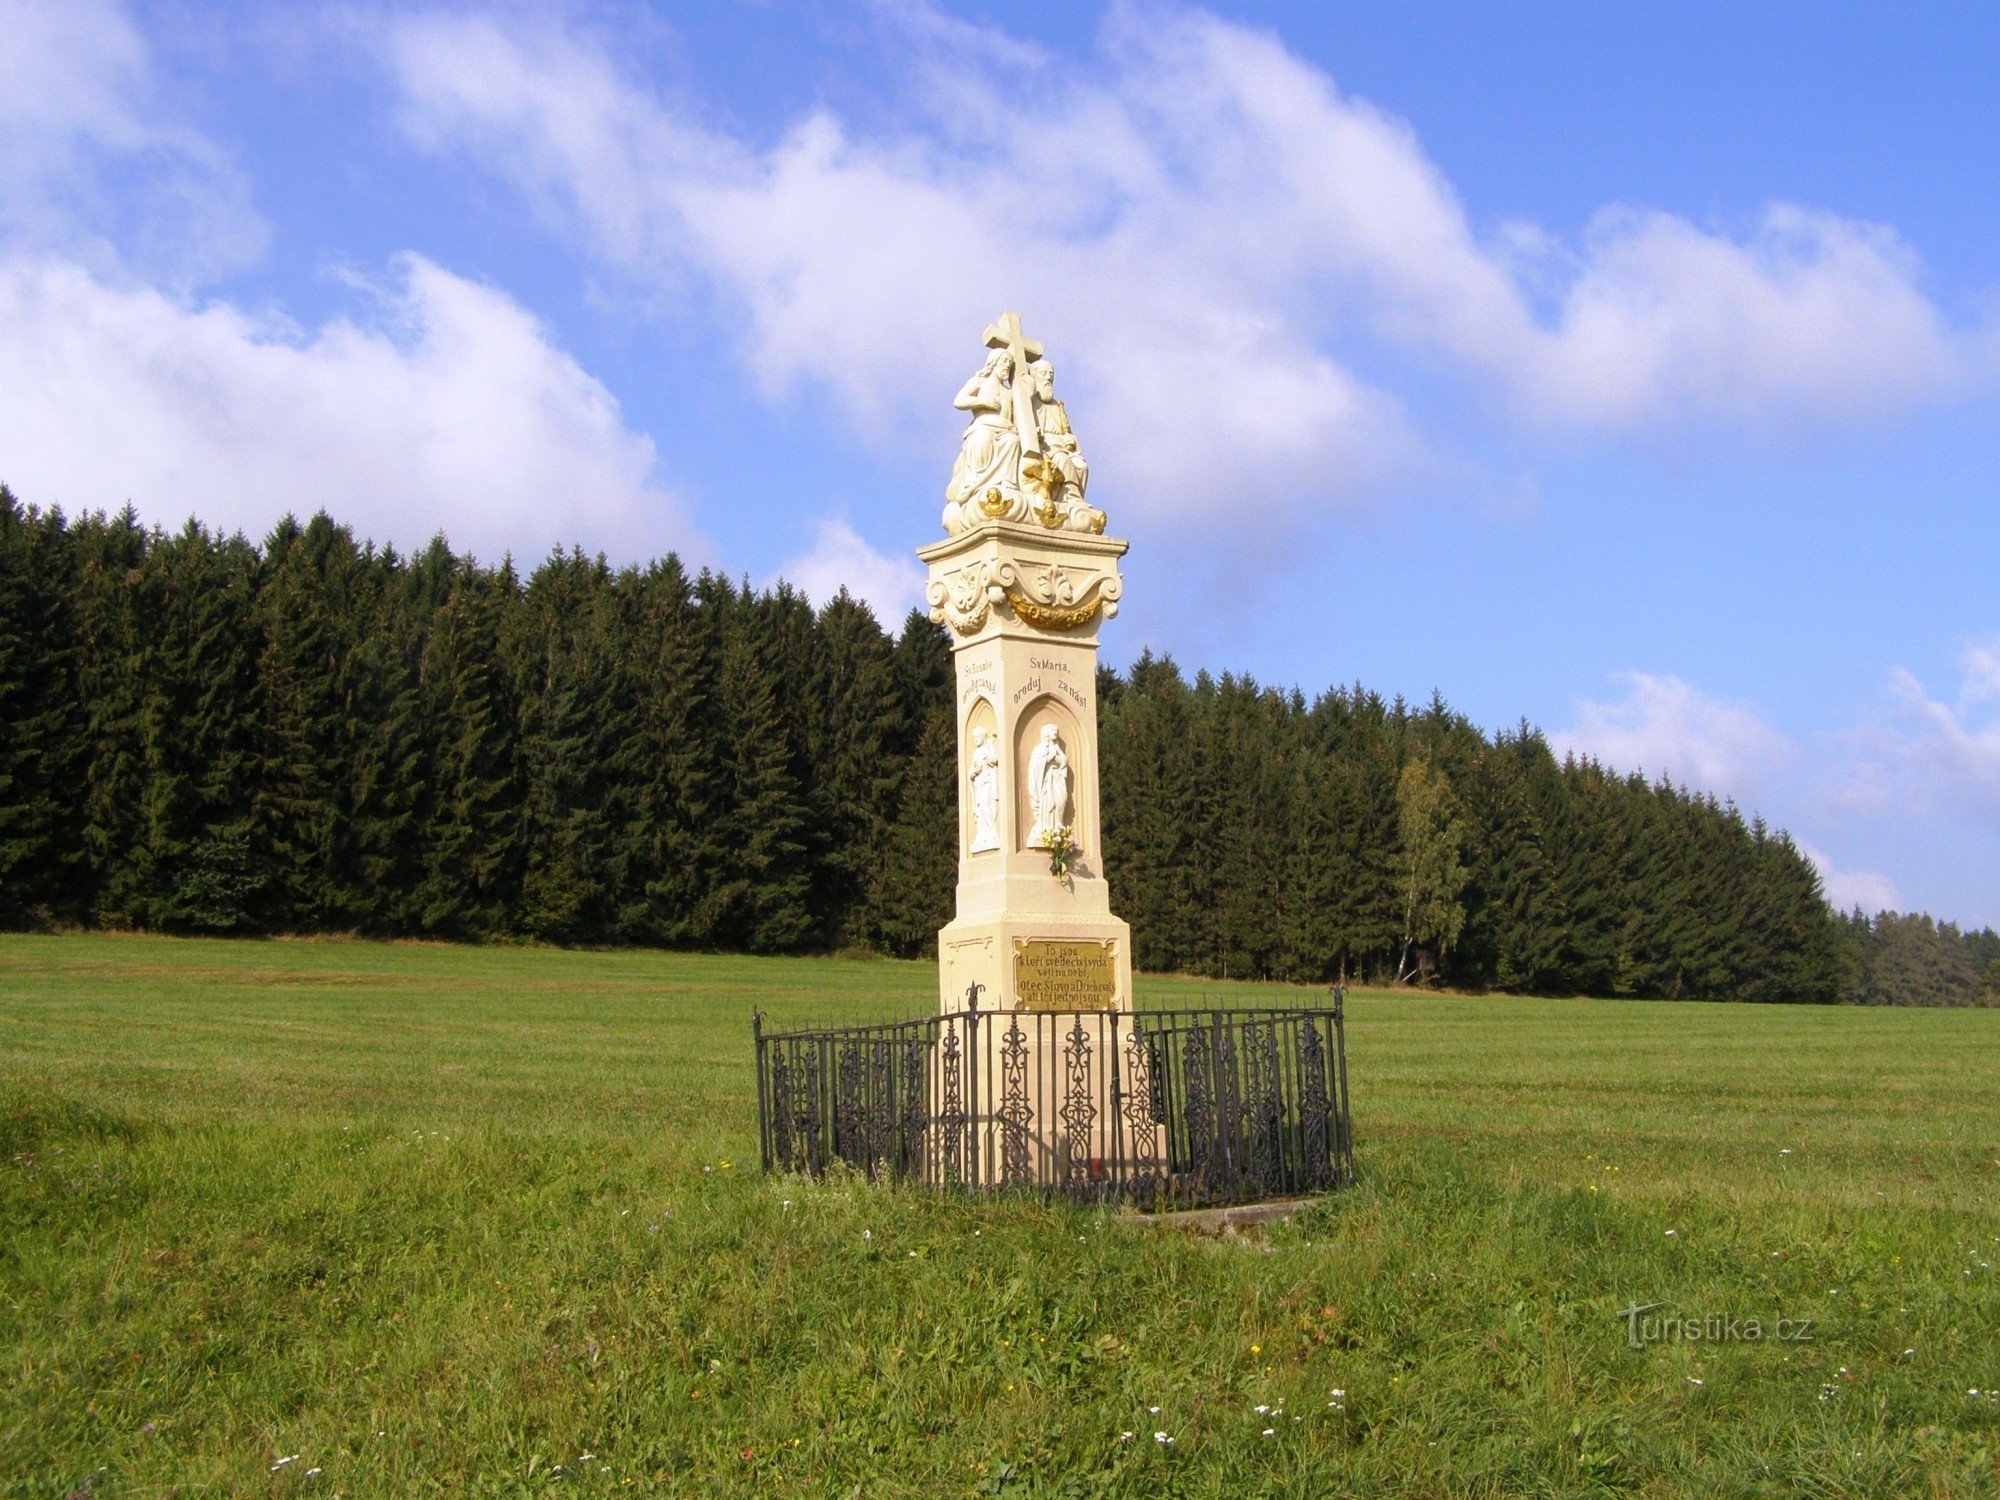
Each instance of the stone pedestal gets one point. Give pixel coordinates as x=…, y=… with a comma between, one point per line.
x=1023, y=602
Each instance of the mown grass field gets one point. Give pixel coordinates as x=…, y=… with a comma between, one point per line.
x=445, y=1220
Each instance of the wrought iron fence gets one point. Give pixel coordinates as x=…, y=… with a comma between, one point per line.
x=1172, y=1108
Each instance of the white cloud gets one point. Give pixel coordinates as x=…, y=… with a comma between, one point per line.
x=90, y=158
x=450, y=411
x=1847, y=889
x=1809, y=316
x=1928, y=752
x=1666, y=727
x=1982, y=673
x=870, y=266
x=1894, y=788
x=1203, y=229
x=841, y=558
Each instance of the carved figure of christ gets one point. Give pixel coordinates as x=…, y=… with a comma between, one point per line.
x=1005, y=333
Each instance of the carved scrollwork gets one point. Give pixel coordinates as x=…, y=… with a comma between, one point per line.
x=962, y=599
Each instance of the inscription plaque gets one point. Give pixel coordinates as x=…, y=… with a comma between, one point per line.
x=1055, y=975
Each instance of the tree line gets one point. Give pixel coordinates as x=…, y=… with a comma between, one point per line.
x=314, y=734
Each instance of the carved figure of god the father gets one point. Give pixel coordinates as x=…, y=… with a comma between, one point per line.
x=1059, y=449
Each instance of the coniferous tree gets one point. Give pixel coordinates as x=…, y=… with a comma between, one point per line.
x=114, y=664
x=912, y=896
x=764, y=883
x=1515, y=923
x=469, y=844
x=569, y=879
x=1591, y=856
x=674, y=764
x=303, y=679
x=855, y=735
x=1146, y=767
x=43, y=750
x=200, y=735
x=1319, y=870
x=388, y=772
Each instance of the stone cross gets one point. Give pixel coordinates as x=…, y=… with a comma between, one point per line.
x=1005, y=333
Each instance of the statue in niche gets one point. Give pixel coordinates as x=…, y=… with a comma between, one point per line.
x=1048, y=787
x=1018, y=460
x=984, y=774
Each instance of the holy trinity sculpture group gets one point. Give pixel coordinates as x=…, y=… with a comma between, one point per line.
x=1019, y=460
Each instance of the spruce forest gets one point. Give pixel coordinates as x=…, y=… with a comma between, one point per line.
x=200, y=734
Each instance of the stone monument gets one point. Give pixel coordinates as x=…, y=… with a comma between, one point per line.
x=1022, y=578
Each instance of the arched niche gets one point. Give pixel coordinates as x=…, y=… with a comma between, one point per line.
x=1047, y=713
x=982, y=781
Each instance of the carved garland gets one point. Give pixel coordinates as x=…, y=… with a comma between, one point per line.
x=1053, y=616
x=1044, y=595
x=1051, y=597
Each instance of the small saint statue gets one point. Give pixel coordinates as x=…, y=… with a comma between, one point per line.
x=1048, y=787
x=984, y=774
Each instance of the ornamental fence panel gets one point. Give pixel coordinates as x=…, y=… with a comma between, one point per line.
x=1156, y=1108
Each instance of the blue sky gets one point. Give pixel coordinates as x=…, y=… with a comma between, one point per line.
x=1634, y=370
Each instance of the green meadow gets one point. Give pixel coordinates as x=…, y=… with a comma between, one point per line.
x=318, y=1218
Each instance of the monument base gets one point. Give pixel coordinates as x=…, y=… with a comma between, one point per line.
x=1036, y=961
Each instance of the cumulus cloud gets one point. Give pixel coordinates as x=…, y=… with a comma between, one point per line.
x=869, y=265
x=90, y=156
x=1664, y=726
x=1207, y=232
x=1848, y=889
x=1927, y=752
x=842, y=559
x=1910, y=775
x=449, y=410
